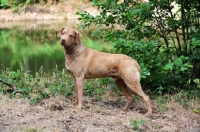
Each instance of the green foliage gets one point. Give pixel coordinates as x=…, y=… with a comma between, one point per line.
x=194, y=89
x=4, y=4
x=197, y=110
x=135, y=124
x=17, y=5
x=161, y=35
x=45, y=85
x=96, y=87
x=36, y=88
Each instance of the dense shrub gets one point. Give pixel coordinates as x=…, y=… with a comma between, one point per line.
x=162, y=35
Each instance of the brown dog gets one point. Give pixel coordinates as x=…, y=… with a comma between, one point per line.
x=85, y=63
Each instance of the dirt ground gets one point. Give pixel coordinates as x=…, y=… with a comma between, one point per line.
x=58, y=114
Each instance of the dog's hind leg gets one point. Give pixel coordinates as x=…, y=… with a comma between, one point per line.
x=122, y=86
x=133, y=82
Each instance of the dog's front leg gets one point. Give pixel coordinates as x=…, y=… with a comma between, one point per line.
x=79, y=87
x=75, y=91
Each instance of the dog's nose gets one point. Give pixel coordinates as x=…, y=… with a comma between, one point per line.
x=62, y=41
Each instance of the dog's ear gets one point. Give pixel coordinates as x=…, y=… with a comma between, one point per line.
x=78, y=37
x=59, y=32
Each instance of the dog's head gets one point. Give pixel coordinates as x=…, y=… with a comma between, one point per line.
x=69, y=37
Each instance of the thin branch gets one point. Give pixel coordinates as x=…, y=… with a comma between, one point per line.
x=161, y=26
x=8, y=84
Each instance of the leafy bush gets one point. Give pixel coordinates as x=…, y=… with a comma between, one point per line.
x=165, y=42
x=4, y=4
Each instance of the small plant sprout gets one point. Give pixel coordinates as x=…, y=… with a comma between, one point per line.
x=135, y=124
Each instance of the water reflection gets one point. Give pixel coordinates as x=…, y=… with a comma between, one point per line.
x=31, y=47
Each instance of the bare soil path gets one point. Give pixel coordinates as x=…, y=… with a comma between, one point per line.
x=58, y=114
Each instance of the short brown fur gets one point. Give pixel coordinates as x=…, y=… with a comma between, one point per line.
x=85, y=63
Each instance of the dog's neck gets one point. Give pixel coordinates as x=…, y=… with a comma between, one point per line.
x=72, y=51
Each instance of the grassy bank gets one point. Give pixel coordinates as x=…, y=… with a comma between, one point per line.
x=17, y=84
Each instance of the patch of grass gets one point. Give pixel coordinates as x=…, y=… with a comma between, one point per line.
x=18, y=84
x=181, y=99
x=135, y=124
x=43, y=85
x=96, y=87
x=186, y=99
x=162, y=102
x=32, y=130
x=197, y=110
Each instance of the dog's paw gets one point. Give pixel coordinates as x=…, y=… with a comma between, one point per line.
x=78, y=108
x=148, y=114
x=122, y=111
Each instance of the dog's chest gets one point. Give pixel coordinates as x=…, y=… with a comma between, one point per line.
x=67, y=65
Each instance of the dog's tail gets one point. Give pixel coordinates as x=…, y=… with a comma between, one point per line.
x=138, y=67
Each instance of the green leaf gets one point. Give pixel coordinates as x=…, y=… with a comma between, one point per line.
x=169, y=66
x=197, y=81
x=197, y=111
x=178, y=61
x=136, y=11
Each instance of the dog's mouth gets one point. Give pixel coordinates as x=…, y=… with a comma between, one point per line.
x=62, y=43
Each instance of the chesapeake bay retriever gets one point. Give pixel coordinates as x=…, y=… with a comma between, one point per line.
x=86, y=63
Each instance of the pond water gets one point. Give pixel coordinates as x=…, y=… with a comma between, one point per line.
x=34, y=46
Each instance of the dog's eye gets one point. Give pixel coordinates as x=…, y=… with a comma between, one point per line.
x=71, y=36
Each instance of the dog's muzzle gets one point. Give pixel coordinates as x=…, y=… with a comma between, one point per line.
x=62, y=42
